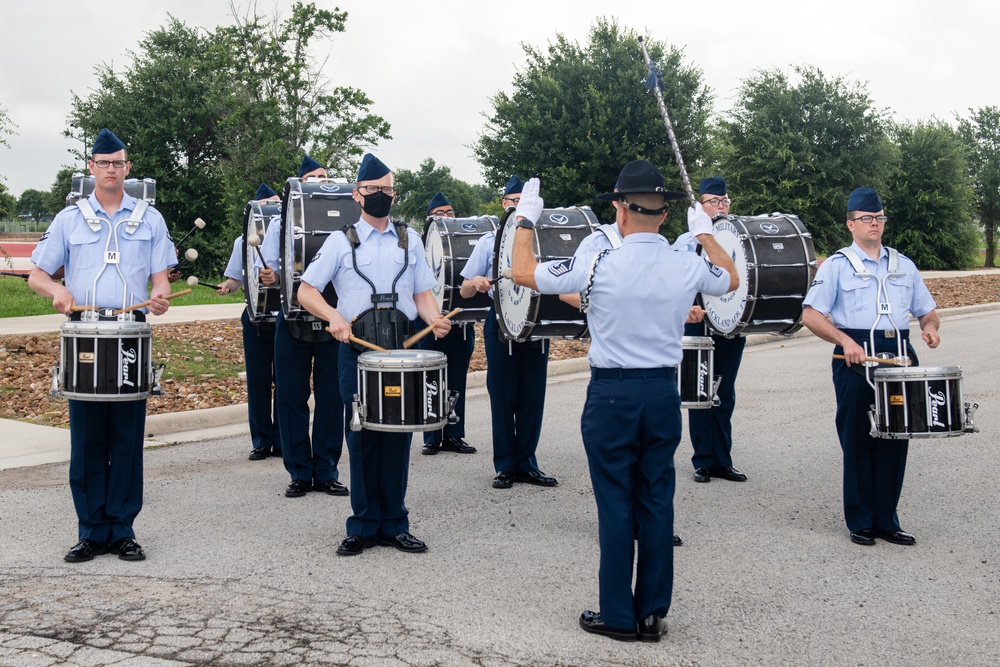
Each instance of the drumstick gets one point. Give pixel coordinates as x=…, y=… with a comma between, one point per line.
x=254, y=242
x=899, y=361
x=198, y=224
x=193, y=280
x=363, y=343
x=80, y=309
x=409, y=342
x=189, y=256
x=146, y=303
x=14, y=274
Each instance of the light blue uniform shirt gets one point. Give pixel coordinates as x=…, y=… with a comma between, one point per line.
x=480, y=262
x=380, y=259
x=270, y=246
x=851, y=301
x=234, y=269
x=641, y=295
x=70, y=242
x=596, y=242
x=686, y=242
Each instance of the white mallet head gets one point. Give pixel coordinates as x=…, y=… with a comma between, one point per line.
x=199, y=223
x=190, y=254
x=192, y=281
x=253, y=240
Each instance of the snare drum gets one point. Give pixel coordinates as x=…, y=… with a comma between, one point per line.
x=696, y=381
x=776, y=263
x=524, y=314
x=105, y=361
x=448, y=244
x=263, y=302
x=310, y=211
x=919, y=402
x=402, y=390
x=141, y=188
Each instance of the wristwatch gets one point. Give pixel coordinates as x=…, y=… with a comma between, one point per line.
x=524, y=223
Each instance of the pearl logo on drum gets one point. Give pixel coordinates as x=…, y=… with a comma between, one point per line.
x=432, y=390
x=128, y=357
x=936, y=399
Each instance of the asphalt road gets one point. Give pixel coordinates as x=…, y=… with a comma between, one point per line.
x=239, y=574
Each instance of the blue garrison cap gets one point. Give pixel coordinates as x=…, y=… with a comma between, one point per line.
x=106, y=142
x=308, y=164
x=514, y=185
x=438, y=201
x=864, y=199
x=371, y=168
x=716, y=185
x=265, y=192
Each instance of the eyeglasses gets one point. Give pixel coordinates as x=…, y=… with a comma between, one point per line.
x=445, y=213
x=104, y=164
x=869, y=219
x=514, y=200
x=716, y=201
x=372, y=189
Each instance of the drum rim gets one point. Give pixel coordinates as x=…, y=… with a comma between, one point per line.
x=919, y=373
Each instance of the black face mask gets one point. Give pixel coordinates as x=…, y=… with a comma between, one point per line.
x=377, y=205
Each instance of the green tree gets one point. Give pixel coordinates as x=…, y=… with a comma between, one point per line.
x=414, y=190
x=31, y=203
x=928, y=198
x=801, y=146
x=8, y=205
x=55, y=199
x=578, y=113
x=981, y=132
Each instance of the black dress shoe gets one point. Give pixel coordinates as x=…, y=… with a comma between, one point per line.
x=652, y=628
x=865, y=537
x=678, y=541
x=503, y=480
x=457, y=445
x=296, y=489
x=258, y=454
x=730, y=473
x=83, y=551
x=896, y=537
x=276, y=452
x=127, y=549
x=332, y=488
x=354, y=545
x=431, y=448
x=536, y=477
x=591, y=622
x=403, y=542
x=702, y=475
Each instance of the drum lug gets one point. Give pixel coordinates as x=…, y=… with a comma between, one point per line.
x=970, y=410
x=157, y=374
x=55, y=382
x=874, y=422
x=452, y=400
x=356, y=413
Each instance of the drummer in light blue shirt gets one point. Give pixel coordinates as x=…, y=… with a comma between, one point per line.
x=847, y=288
x=631, y=423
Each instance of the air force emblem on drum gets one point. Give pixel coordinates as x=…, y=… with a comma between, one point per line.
x=470, y=227
x=562, y=267
x=559, y=219
x=330, y=187
x=769, y=228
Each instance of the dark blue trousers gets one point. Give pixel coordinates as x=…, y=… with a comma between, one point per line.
x=711, y=429
x=380, y=465
x=105, y=467
x=873, y=467
x=262, y=402
x=515, y=377
x=457, y=346
x=631, y=427
x=295, y=361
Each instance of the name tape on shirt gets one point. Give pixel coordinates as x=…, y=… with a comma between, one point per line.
x=562, y=267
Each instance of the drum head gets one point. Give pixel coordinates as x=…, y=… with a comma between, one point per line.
x=514, y=303
x=263, y=302
x=725, y=313
x=435, y=237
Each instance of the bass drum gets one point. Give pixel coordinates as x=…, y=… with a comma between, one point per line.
x=524, y=314
x=263, y=302
x=448, y=244
x=776, y=262
x=141, y=188
x=310, y=211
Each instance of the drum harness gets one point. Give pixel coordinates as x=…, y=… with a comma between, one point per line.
x=884, y=307
x=383, y=325
x=131, y=223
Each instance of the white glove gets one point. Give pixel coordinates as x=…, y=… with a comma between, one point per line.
x=698, y=220
x=530, y=206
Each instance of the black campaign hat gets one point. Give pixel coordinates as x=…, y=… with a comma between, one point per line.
x=640, y=177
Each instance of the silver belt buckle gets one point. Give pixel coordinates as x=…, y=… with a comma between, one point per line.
x=889, y=333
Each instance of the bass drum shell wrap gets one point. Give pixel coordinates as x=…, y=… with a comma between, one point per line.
x=448, y=244
x=403, y=390
x=310, y=211
x=918, y=402
x=105, y=360
x=524, y=314
x=776, y=262
x=263, y=302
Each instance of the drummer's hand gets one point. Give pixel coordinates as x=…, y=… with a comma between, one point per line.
x=173, y=275
x=62, y=300
x=222, y=288
x=530, y=205
x=695, y=315
x=482, y=284
x=441, y=327
x=853, y=353
x=931, y=336
x=158, y=305
x=339, y=328
x=268, y=277
x=698, y=221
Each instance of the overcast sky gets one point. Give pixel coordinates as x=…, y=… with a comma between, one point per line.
x=431, y=66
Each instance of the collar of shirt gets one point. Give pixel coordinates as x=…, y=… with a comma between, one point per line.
x=365, y=230
x=882, y=254
x=643, y=237
x=128, y=203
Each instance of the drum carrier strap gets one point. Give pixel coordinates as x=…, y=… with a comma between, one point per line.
x=614, y=238
x=131, y=223
x=382, y=325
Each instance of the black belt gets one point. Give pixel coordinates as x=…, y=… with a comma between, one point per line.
x=880, y=334
x=633, y=373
